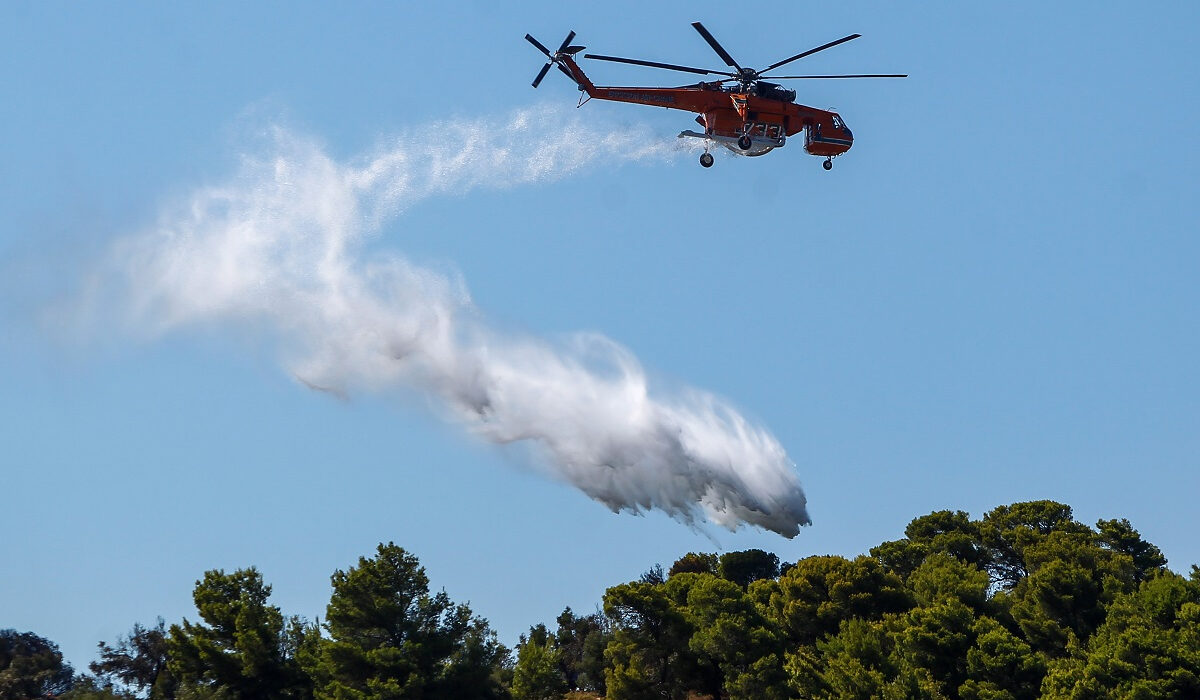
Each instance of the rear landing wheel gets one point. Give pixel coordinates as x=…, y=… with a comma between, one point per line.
x=706, y=160
x=744, y=143
x=828, y=164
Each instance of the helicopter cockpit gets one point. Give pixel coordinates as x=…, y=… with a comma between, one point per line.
x=841, y=126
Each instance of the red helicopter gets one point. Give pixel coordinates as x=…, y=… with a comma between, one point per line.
x=742, y=112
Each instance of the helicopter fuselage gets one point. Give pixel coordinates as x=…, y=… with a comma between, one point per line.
x=763, y=112
x=743, y=111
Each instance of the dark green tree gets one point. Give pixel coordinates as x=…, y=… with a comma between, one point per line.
x=390, y=638
x=942, y=532
x=1148, y=647
x=854, y=664
x=92, y=688
x=580, y=641
x=138, y=662
x=31, y=667
x=654, y=574
x=730, y=633
x=693, y=563
x=244, y=648
x=1000, y=665
x=648, y=655
x=746, y=567
x=1010, y=533
x=942, y=577
x=1119, y=536
x=812, y=599
x=1070, y=582
x=936, y=639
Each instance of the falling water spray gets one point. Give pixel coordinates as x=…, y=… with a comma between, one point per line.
x=279, y=247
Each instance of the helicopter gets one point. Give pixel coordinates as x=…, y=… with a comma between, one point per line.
x=742, y=112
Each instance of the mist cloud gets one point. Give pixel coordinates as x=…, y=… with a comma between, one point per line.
x=279, y=248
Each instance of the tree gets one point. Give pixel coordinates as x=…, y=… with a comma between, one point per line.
x=537, y=674
x=693, y=563
x=1119, y=536
x=812, y=599
x=580, y=642
x=138, y=661
x=941, y=577
x=1148, y=647
x=1000, y=665
x=1010, y=532
x=246, y=649
x=745, y=567
x=648, y=655
x=654, y=574
x=854, y=664
x=942, y=532
x=389, y=638
x=729, y=632
x=1070, y=581
x=92, y=688
x=936, y=639
x=31, y=667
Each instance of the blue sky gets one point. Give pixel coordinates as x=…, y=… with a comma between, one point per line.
x=991, y=298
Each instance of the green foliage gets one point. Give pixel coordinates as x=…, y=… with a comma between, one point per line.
x=654, y=574
x=138, y=661
x=648, y=654
x=854, y=664
x=1011, y=532
x=580, y=643
x=1119, y=536
x=537, y=674
x=730, y=633
x=245, y=649
x=812, y=599
x=1024, y=603
x=746, y=567
x=693, y=563
x=391, y=639
x=695, y=634
x=936, y=639
x=1001, y=665
x=31, y=667
x=1148, y=647
x=952, y=533
x=91, y=688
x=941, y=577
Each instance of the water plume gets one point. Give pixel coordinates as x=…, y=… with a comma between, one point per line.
x=279, y=248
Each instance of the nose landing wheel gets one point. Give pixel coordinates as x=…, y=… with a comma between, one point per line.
x=706, y=160
x=828, y=164
x=744, y=143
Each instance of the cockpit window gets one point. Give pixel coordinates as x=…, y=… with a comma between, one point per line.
x=838, y=123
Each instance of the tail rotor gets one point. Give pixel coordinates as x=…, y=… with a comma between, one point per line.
x=553, y=58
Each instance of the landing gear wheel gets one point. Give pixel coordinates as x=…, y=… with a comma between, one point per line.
x=828, y=164
x=706, y=160
x=744, y=143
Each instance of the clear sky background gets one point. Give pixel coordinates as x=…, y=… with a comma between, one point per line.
x=992, y=298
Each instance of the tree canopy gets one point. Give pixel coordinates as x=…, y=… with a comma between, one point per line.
x=390, y=638
x=1023, y=602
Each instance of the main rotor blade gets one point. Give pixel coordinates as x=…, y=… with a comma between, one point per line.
x=567, y=41
x=864, y=75
x=653, y=64
x=538, y=44
x=810, y=52
x=542, y=74
x=716, y=46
